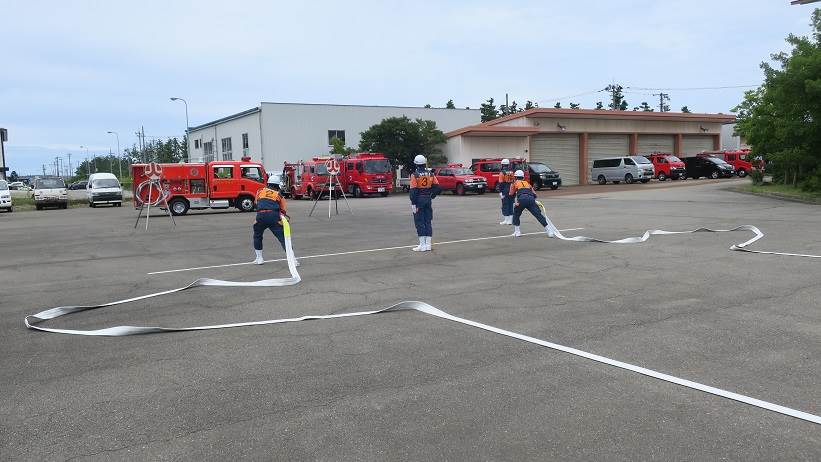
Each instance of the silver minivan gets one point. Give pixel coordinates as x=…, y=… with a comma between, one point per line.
x=618, y=169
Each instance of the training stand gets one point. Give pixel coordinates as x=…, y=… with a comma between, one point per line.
x=334, y=189
x=162, y=200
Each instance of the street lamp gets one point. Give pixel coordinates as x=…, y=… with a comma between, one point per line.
x=119, y=156
x=88, y=165
x=187, y=141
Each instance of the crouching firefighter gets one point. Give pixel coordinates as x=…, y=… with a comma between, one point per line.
x=270, y=206
x=525, y=198
x=423, y=188
x=505, y=179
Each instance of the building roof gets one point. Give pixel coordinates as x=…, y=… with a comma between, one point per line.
x=224, y=119
x=493, y=127
x=372, y=105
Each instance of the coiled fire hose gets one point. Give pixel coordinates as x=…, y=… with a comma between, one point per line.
x=32, y=321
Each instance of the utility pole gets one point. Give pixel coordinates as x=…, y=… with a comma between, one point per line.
x=69, y=165
x=662, y=98
x=44, y=169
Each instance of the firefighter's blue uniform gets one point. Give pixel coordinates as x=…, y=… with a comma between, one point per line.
x=423, y=188
x=522, y=191
x=270, y=204
x=505, y=179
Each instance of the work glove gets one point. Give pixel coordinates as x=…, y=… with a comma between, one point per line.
x=414, y=208
x=501, y=195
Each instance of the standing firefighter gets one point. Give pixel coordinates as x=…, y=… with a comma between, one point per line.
x=423, y=188
x=525, y=198
x=270, y=205
x=505, y=180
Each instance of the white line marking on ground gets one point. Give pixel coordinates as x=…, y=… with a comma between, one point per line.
x=351, y=252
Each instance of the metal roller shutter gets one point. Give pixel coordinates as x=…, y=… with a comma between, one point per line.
x=655, y=143
x=694, y=144
x=600, y=146
x=560, y=152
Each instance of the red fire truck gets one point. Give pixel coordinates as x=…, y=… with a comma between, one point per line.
x=489, y=169
x=366, y=173
x=305, y=178
x=217, y=185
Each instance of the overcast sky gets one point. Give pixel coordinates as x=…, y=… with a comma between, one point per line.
x=72, y=70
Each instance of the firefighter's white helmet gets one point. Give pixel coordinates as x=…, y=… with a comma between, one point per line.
x=505, y=161
x=274, y=179
x=519, y=174
x=420, y=160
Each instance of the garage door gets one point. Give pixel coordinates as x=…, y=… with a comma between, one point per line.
x=655, y=143
x=600, y=146
x=561, y=152
x=694, y=144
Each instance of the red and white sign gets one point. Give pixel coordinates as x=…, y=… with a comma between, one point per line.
x=153, y=171
x=333, y=166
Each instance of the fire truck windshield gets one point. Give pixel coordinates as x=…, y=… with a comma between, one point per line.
x=321, y=169
x=377, y=166
x=462, y=171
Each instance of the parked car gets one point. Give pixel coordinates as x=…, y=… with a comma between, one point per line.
x=618, y=169
x=16, y=185
x=77, y=185
x=5, y=197
x=667, y=166
x=50, y=191
x=490, y=168
x=710, y=167
x=740, y=160
x=541, y=175
x=460, y=180
x=104, y=188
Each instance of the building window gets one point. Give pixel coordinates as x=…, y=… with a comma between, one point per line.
x=336, y=134
x=244, y=141
x=226, y=149
x=208, y=151
x=197, y=144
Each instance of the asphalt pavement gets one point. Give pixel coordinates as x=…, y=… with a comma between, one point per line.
x=406, y=386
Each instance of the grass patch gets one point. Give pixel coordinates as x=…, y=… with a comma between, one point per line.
x=781, y=191
x=23, y=204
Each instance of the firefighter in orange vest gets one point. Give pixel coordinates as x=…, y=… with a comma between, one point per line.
x=505, y=179
x=423, y=188
x=525, y=198
x=270, y=205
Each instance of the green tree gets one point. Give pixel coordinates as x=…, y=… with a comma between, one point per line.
x=781, y=119
x=338, y=147
x=599, y=105
x=558, y=105
x=530, y=105
x=617, y=102
x=574, y=105
x=401, y=139
x=685, y=109
x=489, y=111
x=645, y=107
x=450, y=105
x=427, y=106
x=13, y=176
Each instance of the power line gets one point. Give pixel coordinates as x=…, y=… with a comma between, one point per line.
x=694, y=88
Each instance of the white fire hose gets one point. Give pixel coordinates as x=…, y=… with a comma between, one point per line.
x=32, y=321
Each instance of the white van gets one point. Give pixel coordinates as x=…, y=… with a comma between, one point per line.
x=5, y=197
x=48, y=191
x=104, y=188
x=618, y=169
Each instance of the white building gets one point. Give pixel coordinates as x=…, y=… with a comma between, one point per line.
x=569, y=140
x=731, y=140
x=277, y=132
